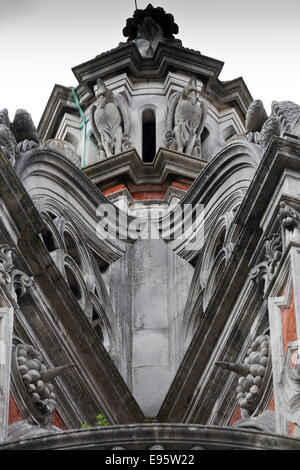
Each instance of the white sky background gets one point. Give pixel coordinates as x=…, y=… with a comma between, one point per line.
x=40, y=40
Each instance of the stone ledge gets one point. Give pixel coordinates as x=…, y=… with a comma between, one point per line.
x=169, y=436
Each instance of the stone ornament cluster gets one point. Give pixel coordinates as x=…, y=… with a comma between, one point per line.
x=18, y=136
x=288, y=217
x=252, y=373
x=263, y=272
x=35, y=375
x=15, y=281
x=34, y=382
x=285, y=117
x=149, y=26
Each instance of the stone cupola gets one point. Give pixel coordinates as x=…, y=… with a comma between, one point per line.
x=146, y=116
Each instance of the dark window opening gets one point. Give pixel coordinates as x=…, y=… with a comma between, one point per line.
x=51, y=215
x=193, y=261
x=99, y=332
x=72, y=249
x=149, y=135
x=48, y=241
x=72, y=281
x=219, y=243
x=95, y=315
x=219, y=273
x=204, y=135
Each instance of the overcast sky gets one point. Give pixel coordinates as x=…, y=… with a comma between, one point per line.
x=41, y=40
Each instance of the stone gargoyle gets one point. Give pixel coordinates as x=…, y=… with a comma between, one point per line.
x=19, y=136
x=185, y=120
x=111, y=121
x=284, y=117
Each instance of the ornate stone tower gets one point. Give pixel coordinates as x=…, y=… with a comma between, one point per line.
x=149, y=240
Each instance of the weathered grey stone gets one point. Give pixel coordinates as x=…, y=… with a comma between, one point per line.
x=185, y=120
x=146, y=319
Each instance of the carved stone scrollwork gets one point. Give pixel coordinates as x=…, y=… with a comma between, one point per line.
x=254, y=372
x=263, y=273
x=14, y=281
x=289, y=219
x=33, y=385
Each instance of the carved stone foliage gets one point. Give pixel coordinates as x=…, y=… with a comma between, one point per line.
x=33, y=383
x=289, y=218
x=111, y=121
x=19, y=136
x=263, y=272
x=185, y=120
x=15, y=281
x=149, y=26
x=260, y=128
x=253, y=374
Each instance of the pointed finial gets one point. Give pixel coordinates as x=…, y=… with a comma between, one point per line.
x=240, y=369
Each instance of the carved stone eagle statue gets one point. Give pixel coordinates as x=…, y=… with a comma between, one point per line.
x=185, y=120
x=111, y=121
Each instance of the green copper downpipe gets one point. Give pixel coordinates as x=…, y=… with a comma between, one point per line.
x=84, y=121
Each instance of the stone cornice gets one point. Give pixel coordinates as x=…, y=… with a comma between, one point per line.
x=130, y=163
x=126, y=58
x=143, y=437
x=281, y=153
x=60, y=101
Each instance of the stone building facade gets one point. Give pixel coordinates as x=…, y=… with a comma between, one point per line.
x=150, y=257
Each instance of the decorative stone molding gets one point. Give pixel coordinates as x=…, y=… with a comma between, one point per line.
x=14, y=281
x=289, y=386
x=32, y=384
x=66, y=149
x=170, y=436
x=71, y=254
x=263, y=272
x=254, y=372
x=289, y=219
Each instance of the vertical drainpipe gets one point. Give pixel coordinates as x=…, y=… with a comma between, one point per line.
x=84, y=121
